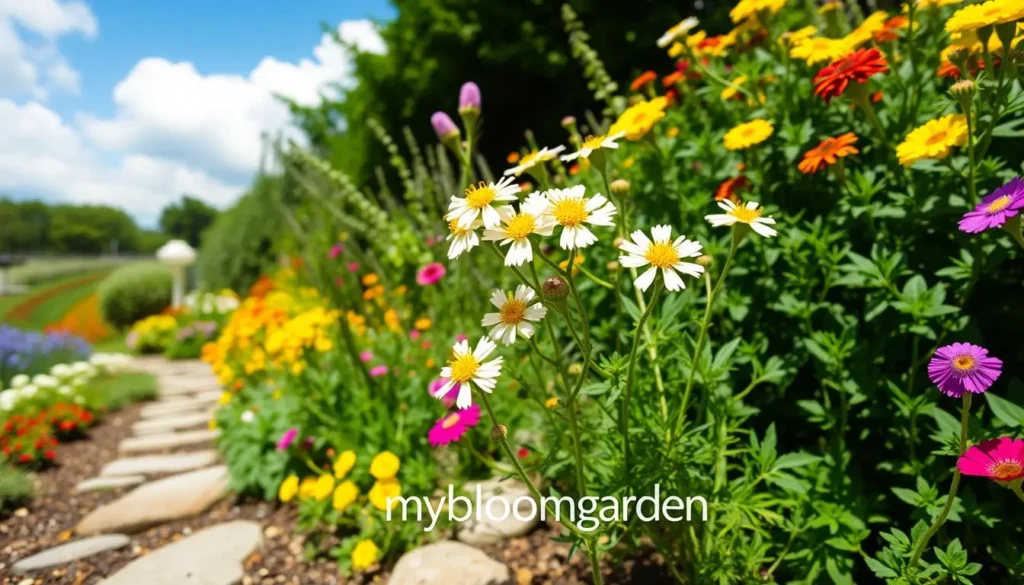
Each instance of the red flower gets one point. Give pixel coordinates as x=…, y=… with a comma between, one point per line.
x=730, y=188
x=643, y=79
x=523, y=453
x=858, y=66
x=672, y=96
x=66, y=425
x=890, y=30
x=25, y=457
x=50, y=454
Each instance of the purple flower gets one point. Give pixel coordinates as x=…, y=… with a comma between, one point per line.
x=993, y=211
x=963, y=367
x=443, y=126
x=336, y=250
x=469, y=97
x=378, y=371
x=287, y=439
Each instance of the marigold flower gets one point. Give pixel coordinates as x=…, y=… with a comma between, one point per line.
x=749, y=214
x=639, y=118
x=673, y=78
x=385, y=465
x=963, y=367
x=730, y=188
x=867, y=29
x=828, y=152
x=516, y=314
x=744, y=9
x=451, y=427
x=733, y=91
x=937, y=3
x=307, y=487
x=663, y=255
x=933, y=140
x=815, y=50
x=989, y=13
x=364, y=555
x=343, y=464
x=383, y=491
x=858, y=66
x=643, y=80
x=346, y=493
x=324, y=487
x=997, y=207
x=1001, y=460
x=748, y=134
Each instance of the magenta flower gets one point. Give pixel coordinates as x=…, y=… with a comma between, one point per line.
x=453, y=425
x=963, y=367
x=287, y=439
x=430, y=274
x=378, y=371
x=997, y=207
x=1000, y=460
x=335, y=251
x=366, y=356
x=414, y=335
x=353, y=267
x=469, y=97
x=461, y=337
x=443, y=125
x=448, y=398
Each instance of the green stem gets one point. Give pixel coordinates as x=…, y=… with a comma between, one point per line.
x=971, y=187
x=1016, y=489
x=581, y=478
x=631, y=374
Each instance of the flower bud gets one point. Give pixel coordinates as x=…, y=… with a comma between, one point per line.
x=469, y=98
x=499, y=432
x=705, y=260
x=555, y=288
x=619, y=187
x=963, y=91
x=444, y=127
x=575, y=369
x=569, y=122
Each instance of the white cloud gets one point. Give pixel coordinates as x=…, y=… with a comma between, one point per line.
x=30, y=57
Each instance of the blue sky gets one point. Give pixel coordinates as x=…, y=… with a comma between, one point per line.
x=133, y=102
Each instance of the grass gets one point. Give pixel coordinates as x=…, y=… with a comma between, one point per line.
x=113, y=344
x=39, y=271
x=47, y=304
x=16, y=486
x=117, y=392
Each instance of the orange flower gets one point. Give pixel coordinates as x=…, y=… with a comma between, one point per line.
x=948, y=69
x=643, y=79
x=512, y=158
x=672, y=78
x=828, y=152
x=858, y=66
x=890, y=30
x=876, y=97
x=574, y=168
x=730, y=189
x=525, y=187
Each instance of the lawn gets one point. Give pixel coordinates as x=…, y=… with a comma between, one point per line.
x=46, y=304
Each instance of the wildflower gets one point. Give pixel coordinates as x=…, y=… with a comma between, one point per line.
x=224, y=398
x=638, y=119
x=384, y=493
x=867, y=29
x=858, y=66
x=643, y=80
x=564, y=264
x=364, y=555
x=378, y=371
x=462, y=239
x=447, y=398
x=555, y=288
x=749, y=214
x=828, y=152
x=324, y=487
x=289, y=487
x=730, y=188
x=453, y=426
x=479, y=201
x=989, y=13
x=594, y=143
x=522, y=453
x=1001, y=460
x=799, y=35
x=512, y=158
x=423, y=323
x=571, y=210
x=307, y=487
x=936, y=3
x=890, y=30
x=469, y=98
x=684, y=27
x=933, y=140
x=551, y=402
x=534, y=158
x=366, y=356
x=516, y=314
x=287, y=439
x=343, y=464
x=733, y=91
x=963, y=367
x=445, y=129
x=997, y=207
x=516, y=228
x=335, y=251
x=346, y=493
x=385, y=465
x=663, y=254
x=465, y=367
x=818, y=49
x=671, y=79
x=744, y=9
x=353, y=267
x=430, y=274
x=247, y=416
x=748, y=134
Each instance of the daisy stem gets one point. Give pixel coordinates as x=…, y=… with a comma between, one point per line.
x=915, y=557
x=971, y=187
x=631, y=373
x=1017, y=490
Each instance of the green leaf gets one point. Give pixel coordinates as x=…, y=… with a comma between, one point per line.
x=794, y=460
x=1006, y=411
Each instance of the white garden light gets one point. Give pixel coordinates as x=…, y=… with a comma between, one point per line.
x=177, y=254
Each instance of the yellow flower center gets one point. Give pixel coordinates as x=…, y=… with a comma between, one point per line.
x=512, y=312
x=999, y=204
x=937, y=138
x=520, y=226
x=963, y=363
x=453, y=227
x=451, y=421
x=1006, y=469
x=593, y=142
x=661, y=255
x=570, y=212
x=530, y=159
x=480, y=196
x=463, y=367
x=745, y=214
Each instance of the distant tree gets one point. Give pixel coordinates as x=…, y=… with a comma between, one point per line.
x=92, y=229
x=187, y=219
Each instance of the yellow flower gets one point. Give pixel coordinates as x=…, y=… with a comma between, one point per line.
x=747, y=8
x=370, y=279
x=937, y=3
x=289, y=487
x=639, y=118
x=799, y=35
x=551, y=402
x=430, y=363
x=364, y=555
x=307, y=487
x=988, y=13
x=818, y=49
x=628, y=162
x=276, y=395
x=829, y=7
x=734, y=88
x=748, y=134
x=345, y=494
x=324, y=487
x=672, y=132
x=675, y=50
x=422, y=324
x=384, y=490
x=564, y=264
x=934, y=140
x=224, y=398
x=343, y=464
x=867, y=29
x=212, y=425
x=391, y=319
x=385, y=465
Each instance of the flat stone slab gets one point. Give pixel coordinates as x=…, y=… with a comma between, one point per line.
x=174, y=463
x=171, y=498
x=212, y=556
x=490, y=531
x=185, y=406
x=186, y=385
x=447, y=562
x=171, y=423
x=109, y=483
x=167, y=441
x=71, y=551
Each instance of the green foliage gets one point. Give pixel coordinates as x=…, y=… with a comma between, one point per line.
x=111, y=393
x=134, y=292
x=255, y=464
x=16, y=487
x=187, y=219
x=36, y=227
x=43, y=270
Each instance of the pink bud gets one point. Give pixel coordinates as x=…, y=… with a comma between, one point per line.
x=443, y=125
x=469, y=97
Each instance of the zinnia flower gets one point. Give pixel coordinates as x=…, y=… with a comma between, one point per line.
x=989, y=13
x=963, y=367
x=533, y=159
x=453, y=425
x=570, y=209
x=479, y=201
x=466, y=369
x=592, y=143
x=287, y=439
x=748, y=134
x=933, y=140
x=997, y=207
x=828, y=152
x=749, y=214
x=516, y=228
x=364, y=555
x=730, y=188
x=430, y=274
x=818, y=49
x=639, y=118
x=1000, y=460
x=661, y=254
x=684, y=26
x=346, y=493
x=858, y=66
x=384, y=494
x=516, y=314
x=289, y=487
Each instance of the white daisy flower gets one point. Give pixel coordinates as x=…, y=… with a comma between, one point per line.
x=533, y=159
x=516, y=315
x=466, y=367
x=592, y=143
x=462, y=239
x=479, y=201
x=571, y=210
x=748, y=213
x=660, y=252
x=516, y=228
x=677, y=31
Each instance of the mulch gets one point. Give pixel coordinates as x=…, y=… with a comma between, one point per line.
x=47, y=521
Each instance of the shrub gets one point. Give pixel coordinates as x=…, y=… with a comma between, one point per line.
x=135, y=292
x=15, y=486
